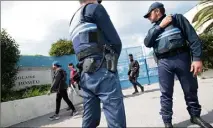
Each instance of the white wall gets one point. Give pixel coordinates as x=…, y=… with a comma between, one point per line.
x=14, y=112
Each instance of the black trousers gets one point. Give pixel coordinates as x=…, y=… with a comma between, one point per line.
x=135, y=83
x=62, y=94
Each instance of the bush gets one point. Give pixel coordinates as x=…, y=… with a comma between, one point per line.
x=207, y=39
x=61, y=47
x=9, y=57
x=36, y=90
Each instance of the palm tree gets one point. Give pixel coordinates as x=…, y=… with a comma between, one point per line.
x=204, y=16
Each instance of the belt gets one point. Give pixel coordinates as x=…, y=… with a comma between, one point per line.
x=173, y=52
x=88, y=52
x=98, y=62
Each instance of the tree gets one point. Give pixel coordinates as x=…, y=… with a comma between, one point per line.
x=207, y=40
x=61, y=47
x=204, y=16
x=9, y=57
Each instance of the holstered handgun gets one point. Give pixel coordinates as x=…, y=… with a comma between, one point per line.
x=89, y=65
x=111, y=59
x=111, y=62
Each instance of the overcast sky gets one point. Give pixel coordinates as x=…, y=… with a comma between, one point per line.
x=35, y=25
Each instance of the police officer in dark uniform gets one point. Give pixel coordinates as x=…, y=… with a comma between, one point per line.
x=133, y=74
x=98, y=46
x=178, y=50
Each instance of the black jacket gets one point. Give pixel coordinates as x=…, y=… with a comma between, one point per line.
x=134, y=69
x=59, y=82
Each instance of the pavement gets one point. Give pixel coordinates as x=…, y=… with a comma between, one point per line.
x=142, y=110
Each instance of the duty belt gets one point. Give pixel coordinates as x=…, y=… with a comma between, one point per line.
x=89, y=51
x=173, y=52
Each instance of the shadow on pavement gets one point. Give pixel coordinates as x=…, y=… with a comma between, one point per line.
x=146, y=91
x=44, y=120
x=208, y=118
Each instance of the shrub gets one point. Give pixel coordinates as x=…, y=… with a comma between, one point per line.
x=207, y=39
x=36, y=90
x=9, y=57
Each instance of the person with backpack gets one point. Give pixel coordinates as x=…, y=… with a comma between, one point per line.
x=73, y=72
x=97, y=46
x=60, y=87
x=178, y=50
x=73, y=81
x=133, y=74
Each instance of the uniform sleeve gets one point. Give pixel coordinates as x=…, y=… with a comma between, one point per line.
x=152, y=36
x=104, y=23
x=191, y=36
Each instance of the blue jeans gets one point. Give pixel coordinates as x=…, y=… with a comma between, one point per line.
x=167, y=68
x=102, y=86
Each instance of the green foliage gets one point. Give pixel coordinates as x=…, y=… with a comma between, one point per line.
x=9, y=57
x=205, y=1
x=61, y=47
x=32, y=91
x=204, y=15
x=207, y=40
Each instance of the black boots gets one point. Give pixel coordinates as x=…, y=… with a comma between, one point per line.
x=168, y=125
x=199, y=121
x=135, y=92
x=195, y=120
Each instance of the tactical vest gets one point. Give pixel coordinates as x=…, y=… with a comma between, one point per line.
x=84, y=35
x=171, y=38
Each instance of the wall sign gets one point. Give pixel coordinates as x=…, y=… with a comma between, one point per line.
x=27, y=77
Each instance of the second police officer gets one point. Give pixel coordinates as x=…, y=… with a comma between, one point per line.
x=179, y=51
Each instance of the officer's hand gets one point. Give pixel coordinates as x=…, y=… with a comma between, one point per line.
x=167, y=20
x=196, y=67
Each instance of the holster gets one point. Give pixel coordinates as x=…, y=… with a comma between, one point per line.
x=89, y=65
x=111, y=61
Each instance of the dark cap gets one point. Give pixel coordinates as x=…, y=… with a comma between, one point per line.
x=56, y=63
x=152, y=7
x=99, y=1
x=130, y=55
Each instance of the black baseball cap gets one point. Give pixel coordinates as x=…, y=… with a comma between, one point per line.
x=130, y=55
x=99, y=1
x=152, y=7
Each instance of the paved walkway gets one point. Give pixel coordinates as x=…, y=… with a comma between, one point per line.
x=141, y=110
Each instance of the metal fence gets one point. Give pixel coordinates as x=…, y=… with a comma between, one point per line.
x=148, y=67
